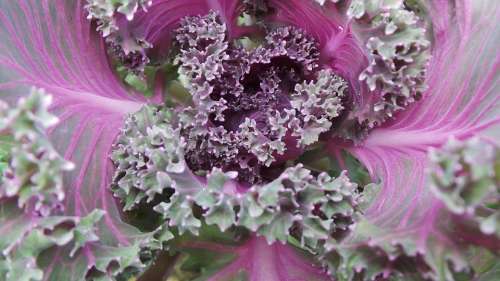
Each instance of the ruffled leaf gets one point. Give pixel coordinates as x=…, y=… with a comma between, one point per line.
x=27, y=237
x=59, y=52
x=398, y=57
x=319, y=102
x=34, y=171
x=465, y=177
x=461, y=102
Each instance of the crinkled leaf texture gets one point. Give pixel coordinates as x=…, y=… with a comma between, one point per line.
x=26, y=237
x=155, y=25
x=51, y=45
x=461, y=101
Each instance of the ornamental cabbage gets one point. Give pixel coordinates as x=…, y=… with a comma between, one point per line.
x=249, y=140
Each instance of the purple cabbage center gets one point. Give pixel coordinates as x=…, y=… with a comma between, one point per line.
x=255, y=109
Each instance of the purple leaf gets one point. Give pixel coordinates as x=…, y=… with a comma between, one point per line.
x=51, y=44
x=461, y=101
x=256, y=260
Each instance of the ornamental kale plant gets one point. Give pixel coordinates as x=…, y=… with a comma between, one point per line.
x=273, y=140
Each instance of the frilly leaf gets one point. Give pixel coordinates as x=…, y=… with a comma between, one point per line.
x=179, y=213
x=319, y=102
x=214, y=199
x=398, y=51
x=127, y=48
x=380, y=47
x=148, y=155
x=104, y=12
x=367, y=257
x=37, y=230
x=459, y=102
x=298, y=204
x=218, y=204
x=310, y=208
x=59, y=51
x=34, y=172
x=465, y=176
x=26, y=240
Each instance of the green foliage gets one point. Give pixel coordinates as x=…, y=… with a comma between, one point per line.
x=103, y=11
x=465, y=176
x=25, y=241
x=6, y=143
x=34, y=170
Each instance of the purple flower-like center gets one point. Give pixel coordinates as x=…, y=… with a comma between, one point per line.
x=253, y=109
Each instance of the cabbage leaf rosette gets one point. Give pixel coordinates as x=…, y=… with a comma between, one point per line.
x=259, y=140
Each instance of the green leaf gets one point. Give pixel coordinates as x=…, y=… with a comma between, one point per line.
x=26, y=238
x=463, y=176
x=35, y=168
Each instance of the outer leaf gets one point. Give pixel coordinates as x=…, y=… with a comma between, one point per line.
x=29, y=235
x=155, y=24
x=341, y=50
x=461, y=101
x=297, y=204
x=380, y=47
x=248, y=258
x=51, y=44
x=34, y=171
x=464, y=176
